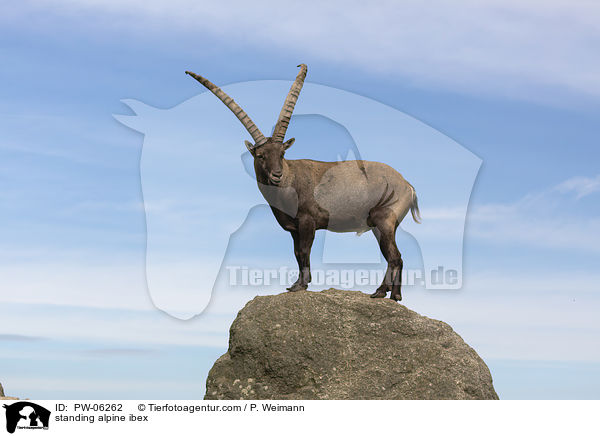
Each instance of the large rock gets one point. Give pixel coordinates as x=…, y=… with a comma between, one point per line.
x=344, y=345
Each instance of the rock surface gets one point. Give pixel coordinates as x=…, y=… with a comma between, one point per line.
x=344, y=345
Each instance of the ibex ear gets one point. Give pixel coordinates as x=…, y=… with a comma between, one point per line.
x=250, y=147
x=287, y=144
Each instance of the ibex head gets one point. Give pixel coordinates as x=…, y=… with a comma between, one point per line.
x=268, y=152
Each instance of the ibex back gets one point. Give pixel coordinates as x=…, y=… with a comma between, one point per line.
x=307, y=195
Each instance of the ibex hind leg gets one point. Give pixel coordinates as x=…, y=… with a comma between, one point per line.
x=385, y=223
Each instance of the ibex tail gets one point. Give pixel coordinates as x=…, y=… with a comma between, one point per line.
x=414, y=207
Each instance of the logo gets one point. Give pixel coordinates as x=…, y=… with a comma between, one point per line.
x=26, y=415
x=206, y=218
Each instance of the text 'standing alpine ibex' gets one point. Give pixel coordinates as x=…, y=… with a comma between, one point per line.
x=307, y=195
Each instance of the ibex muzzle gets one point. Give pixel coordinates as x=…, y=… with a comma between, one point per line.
x=348, y=196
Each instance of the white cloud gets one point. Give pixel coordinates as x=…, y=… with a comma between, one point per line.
x=511, y=315
x=529, y=227
x=109, y=302
x=527, y=315
x=547, y=219
x=581, y=186
x=496, y=46
x=523, y=314
x=108, y=286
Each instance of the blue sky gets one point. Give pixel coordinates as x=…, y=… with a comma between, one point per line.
x=515, y=83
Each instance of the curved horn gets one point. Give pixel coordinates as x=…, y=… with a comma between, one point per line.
x=288, y=105
x=259, y=138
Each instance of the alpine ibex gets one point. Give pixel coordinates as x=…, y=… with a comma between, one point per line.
x=307, y=195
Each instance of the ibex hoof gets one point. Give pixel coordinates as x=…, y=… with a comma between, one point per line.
x=396, y=297
x=379, y=294
x=296, y=287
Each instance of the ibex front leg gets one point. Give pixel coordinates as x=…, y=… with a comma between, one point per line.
x=303, y=240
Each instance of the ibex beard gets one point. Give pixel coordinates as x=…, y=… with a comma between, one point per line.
x=307, y=195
